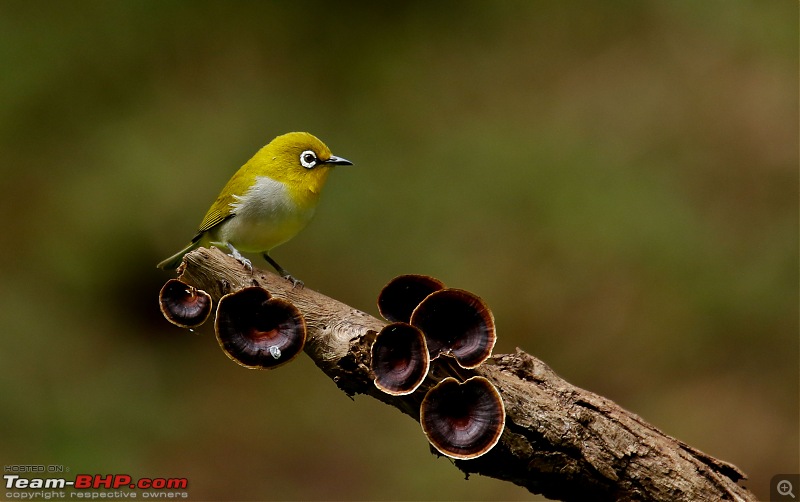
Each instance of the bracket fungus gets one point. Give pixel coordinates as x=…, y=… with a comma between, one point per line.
x=184, y=305
x=400, y=359
x=258, y=331
x=456, y=323
x=398, y=299
x=463, y=420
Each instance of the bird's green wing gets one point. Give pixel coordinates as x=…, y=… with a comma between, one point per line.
x=222, y=209
x=219, y=212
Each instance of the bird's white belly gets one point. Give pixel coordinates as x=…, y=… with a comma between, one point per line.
x=265, y=217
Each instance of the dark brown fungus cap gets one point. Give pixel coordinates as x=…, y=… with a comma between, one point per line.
x=258, y=331
x=184, y=305
x=402, y=295
x=463, y=420
x=456, y=323
x=400, y=359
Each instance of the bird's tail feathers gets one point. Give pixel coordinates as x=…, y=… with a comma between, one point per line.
x=175, y=260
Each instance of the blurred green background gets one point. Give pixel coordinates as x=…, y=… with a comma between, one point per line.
x=618, y=180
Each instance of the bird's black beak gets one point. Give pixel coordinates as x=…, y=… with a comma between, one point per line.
x=338, y=161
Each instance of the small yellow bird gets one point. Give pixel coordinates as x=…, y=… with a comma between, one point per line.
x=267, y=202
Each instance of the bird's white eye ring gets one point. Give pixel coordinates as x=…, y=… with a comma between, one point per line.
x=308, y=159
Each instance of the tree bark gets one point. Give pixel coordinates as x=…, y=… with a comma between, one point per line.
x=560, y=441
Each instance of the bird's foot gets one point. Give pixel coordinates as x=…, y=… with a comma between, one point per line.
x=244, y=261
x=283, y=272
x=241, y=259
x=296, y=283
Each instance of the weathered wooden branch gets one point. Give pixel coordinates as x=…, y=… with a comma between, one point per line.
x=561, y=441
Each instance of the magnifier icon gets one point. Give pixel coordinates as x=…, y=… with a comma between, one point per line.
x=785, y=488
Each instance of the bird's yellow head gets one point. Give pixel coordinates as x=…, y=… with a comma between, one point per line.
x=299, y=160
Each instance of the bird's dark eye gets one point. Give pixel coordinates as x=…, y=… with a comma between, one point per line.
x=308, y=159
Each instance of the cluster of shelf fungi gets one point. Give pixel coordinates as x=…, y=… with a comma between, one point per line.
x=462, y=418
x=541, y=432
